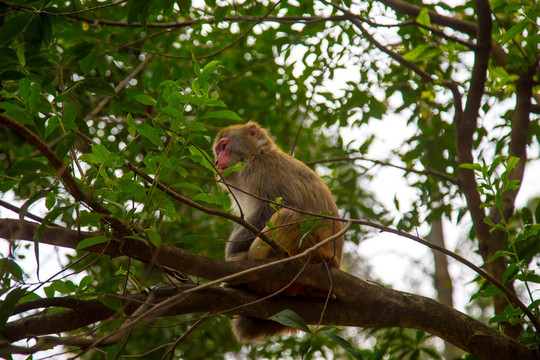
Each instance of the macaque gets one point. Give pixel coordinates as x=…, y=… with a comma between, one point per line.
x=271, y=174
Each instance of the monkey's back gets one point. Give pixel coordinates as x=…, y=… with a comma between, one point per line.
x=274, y=174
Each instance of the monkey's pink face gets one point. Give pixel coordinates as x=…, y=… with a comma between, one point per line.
x=223, y=153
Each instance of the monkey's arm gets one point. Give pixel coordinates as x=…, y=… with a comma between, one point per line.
x=289, y=234
x=241, y=238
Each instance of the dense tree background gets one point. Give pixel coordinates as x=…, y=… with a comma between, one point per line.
x=107, y=114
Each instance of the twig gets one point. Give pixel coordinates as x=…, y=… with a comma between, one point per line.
x=435, y=173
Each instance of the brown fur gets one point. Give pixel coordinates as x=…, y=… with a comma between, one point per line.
x=269, y=173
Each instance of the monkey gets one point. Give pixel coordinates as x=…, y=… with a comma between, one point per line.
x=269, y=173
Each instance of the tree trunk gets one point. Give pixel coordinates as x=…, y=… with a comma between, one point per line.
x=441, y=279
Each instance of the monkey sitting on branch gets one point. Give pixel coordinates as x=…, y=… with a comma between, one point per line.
x=271, y=174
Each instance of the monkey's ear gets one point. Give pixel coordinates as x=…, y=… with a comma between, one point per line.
x=254, y=130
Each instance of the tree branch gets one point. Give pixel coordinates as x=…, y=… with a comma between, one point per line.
x=427, y=172
x=361, y=308
x=469, y=28
x=466, y=127
x=449, y=84
x=236, y=272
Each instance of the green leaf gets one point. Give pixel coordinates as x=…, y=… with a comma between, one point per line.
x=102, y=155
x=423, y=17
x=29, y=166
x=490, y=291
x=8, y=266
x=415, y=53
x=11, y=74
x=89, y=62
x=207, y=198
x=498, y=254
x=51, y=125
x=145, y=99
x=149, y=133
x=35, y=93
x=529, y=276
x=512, y=162
x=277, y=201
x=87, y=218
x=154, y=237
x=201, y=157
x=220, y=12
x=68, y=119
x=96, y=85
x=139, y=10
x=209, y=69
x=510, y=271
x=50, y=200
x=476, y=167
x=91, y=241
x=20, y=56
x=187, y=185
x=185, y=6
x=309, y=232
x=85, y=281
x=345, y=345
x=25, y=87
x=131, y=125
x=38, y=31
x=133, y=188
x=89, y=158
x=514, y=31
x=112, y=302
x=64, y=287
x=291, y=319
x=8, y=304
x=235, y=168
x=221, y=114
x=13, y=27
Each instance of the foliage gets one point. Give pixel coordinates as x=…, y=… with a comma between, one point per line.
x=128, y=95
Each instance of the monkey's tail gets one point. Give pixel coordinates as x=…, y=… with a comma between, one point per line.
x=248, y=329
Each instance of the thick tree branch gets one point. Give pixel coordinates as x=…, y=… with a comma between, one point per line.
x=362, y=308
x=466, y=126
x=218, y=270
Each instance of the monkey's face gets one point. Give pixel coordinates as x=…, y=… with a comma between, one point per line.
x=223, y=153
x=236, y=143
